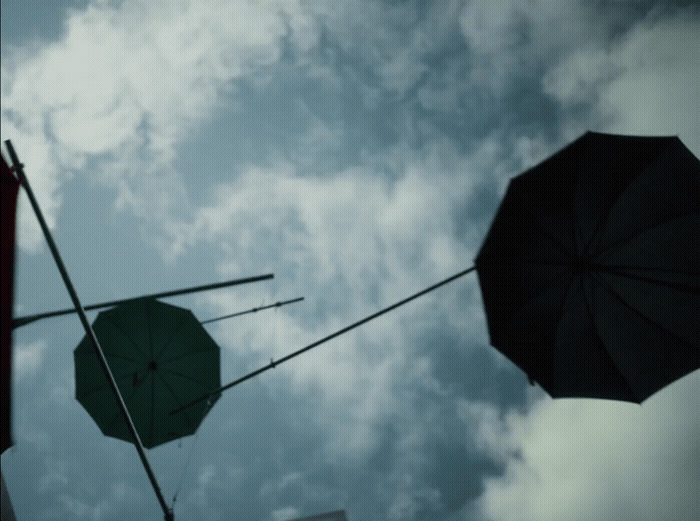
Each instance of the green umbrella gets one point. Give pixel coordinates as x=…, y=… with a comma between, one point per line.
x=161, y=358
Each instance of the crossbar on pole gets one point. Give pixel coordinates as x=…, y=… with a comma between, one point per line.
x=21, y=321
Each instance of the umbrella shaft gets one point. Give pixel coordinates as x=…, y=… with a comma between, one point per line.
x=273, y=363
x=253, y=310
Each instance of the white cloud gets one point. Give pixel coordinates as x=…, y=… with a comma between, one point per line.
x=81, y=510
x=27, y=358
x=284, y=514
x=128, y=84
x=659, y=90
x=56, y=475
x=206, y=474
x=635, y=66
x=391, y=45
x=594, y=459
x=212, y=478
x=386, y=227
x=352, y=243
x=410, y=502
x=123, y=491
x=517, y=36
x=647, y=83
x=308, y=213
x=44, y=177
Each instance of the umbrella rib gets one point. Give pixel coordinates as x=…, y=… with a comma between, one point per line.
x=626, y=240
x=120, y=357
x=105, y=385
x=170, y=338
x=110, y=355
x=596, y=231
x=119, y=412
x=619, y=270
x=119, y=327
x=550, y=283
x=552, y=238
x=674, y=285
x=577, y=234
x=186, y=377
x=150, y=334
x=591, y=315
x=190, y=423
x=647, y=268
x=569, y=288
x=627, y=305
x=153, y=398
x=185, y=355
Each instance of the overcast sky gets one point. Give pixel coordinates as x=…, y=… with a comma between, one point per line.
x=358, y=151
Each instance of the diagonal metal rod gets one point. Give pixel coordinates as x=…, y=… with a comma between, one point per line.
x=18, y=168
x=274, y=363
x=21, y=321
x=254, y=310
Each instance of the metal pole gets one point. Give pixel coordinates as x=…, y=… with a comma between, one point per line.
x=273, y=363
x=253, y=310
x=21, y=321
x=18, y=168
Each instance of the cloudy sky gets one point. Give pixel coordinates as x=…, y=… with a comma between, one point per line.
x=358, y=151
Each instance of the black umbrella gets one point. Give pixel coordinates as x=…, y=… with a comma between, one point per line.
x=590, y=272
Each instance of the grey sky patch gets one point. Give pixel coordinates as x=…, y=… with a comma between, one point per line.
x=32, y=20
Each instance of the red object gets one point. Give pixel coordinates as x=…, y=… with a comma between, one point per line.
x=8, y=204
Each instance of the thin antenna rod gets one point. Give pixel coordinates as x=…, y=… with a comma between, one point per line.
x=273, y=363
x=18, y=168
x=253, y=310
x=21, y=321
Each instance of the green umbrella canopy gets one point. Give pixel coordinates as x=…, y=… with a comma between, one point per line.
x=161, y=358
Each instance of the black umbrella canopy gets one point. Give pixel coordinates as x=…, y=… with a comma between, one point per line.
x=590, y=273
x=161, y=358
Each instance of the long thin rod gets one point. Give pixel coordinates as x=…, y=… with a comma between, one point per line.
x=18, y=167
x=21, y=321
x=275, y=363
x=253, y=310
